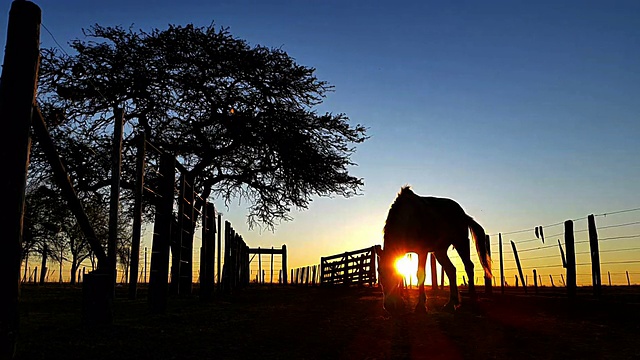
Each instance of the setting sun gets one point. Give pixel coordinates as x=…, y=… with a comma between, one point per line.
x=407, y=266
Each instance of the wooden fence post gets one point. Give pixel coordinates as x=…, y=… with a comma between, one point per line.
x=260, y=279
x=227, y=258
x=515, y=253
x=535, y=281
x=207, y=259
x=501, y=263
x=43, y=267
x=596, y=277
x=186, y=236
x=322, y=273
x=609, y=274
x=219, y=252
x=313, y=279
x=284, y=264
x=569, y=244
x=628, y=280
x=158, y=277
x=271, y=275
x=137, y=216
x=17, y=96
x=114, y=199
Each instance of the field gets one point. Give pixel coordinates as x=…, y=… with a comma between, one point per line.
x=331, y=323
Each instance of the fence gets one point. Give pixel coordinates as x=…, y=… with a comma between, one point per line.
x=306, y=275
x=351, y=268
x=592, y=253
x=261, y=277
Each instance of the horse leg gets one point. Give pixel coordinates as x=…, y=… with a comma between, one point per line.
x=447, y=265
x=465, y=255
x=422, y=297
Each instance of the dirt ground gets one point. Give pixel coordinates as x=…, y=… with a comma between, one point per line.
x=329, y=323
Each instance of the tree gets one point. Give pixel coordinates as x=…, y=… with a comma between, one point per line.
x=240, y=118
x=44, y=217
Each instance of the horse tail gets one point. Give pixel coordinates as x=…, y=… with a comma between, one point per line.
x=479, y=237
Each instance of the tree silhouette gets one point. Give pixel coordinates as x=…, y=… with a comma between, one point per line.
x=240, y=118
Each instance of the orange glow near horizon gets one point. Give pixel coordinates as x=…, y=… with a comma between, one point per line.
x=407, y=266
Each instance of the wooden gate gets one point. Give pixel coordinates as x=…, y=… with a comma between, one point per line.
x=350, y=268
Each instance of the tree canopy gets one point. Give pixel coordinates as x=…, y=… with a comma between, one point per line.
x=242, y=119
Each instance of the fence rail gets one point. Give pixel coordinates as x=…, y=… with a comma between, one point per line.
x=350, y=268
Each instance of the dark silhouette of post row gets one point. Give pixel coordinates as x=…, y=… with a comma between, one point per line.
x=596, y=277
x=569, y=244
x=515, y=253
x=159, y=274
x=17, y=96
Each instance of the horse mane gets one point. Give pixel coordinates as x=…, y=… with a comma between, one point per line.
x=405, y=194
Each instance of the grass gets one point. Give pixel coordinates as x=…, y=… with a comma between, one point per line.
x=328, y=323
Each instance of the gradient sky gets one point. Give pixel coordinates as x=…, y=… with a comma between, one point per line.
x=525, y=112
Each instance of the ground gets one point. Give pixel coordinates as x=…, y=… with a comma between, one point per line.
x=275, y=322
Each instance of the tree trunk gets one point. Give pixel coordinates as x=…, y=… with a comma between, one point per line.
x=74, y=269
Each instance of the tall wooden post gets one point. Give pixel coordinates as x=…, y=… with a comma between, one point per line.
x=596, y=277
x=515, y=253
x=501, y=264
x=137, y=216
x=260, y=279
x=17, y=96
x=186, y=236
x=571, y=258
x=227, y=257
x=322, y=271
x=219, y=249
x=158, y=277
x=114, y=203
x=284, y=264
x=207, y=266
x=43, y=268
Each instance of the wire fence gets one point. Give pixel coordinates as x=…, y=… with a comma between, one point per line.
x=619, y=253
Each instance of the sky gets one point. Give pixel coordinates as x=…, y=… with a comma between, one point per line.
x=525, y=112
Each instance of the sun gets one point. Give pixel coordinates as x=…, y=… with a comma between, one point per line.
x=407, y=266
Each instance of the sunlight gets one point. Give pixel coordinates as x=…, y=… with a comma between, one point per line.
x=407, y=266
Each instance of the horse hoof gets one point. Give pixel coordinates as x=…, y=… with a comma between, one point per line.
x=451, y=307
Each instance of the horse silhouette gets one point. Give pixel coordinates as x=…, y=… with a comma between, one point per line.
x=422, y=224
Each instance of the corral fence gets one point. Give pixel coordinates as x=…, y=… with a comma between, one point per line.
x=350, y=268
x=306, y=275
x=261, y=276
x=588, y=256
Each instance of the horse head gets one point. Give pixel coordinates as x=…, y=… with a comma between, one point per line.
x=391, y=282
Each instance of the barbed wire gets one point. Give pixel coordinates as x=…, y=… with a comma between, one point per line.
x=560, y=223
x=618, y=212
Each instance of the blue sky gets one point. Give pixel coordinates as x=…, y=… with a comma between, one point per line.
x=526, y=112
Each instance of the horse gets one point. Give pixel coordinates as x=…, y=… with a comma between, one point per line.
x=424, y=225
